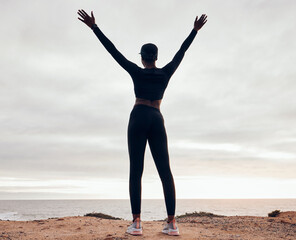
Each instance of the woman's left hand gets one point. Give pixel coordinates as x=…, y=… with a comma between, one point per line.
x=198, y=23
x=89, y=21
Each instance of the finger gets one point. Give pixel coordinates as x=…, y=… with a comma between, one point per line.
x=196, y=18
x=203, y=23
x=92, y=15
x=81, y=20
x=82, y=13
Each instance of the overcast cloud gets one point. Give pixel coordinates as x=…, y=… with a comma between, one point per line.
x=229, y=109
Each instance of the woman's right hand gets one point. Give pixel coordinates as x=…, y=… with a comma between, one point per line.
x=198, y=23
x=89, y=21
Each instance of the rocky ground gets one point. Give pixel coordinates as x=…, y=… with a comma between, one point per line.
x=202, y=228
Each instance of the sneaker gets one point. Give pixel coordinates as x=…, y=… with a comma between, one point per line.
x=171, y=228
x=135, y=228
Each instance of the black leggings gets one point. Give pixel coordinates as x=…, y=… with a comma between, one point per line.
x=146, y=123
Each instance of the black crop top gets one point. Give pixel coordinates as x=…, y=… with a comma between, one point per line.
x=148, y=83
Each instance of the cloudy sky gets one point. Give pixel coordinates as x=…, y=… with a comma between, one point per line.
x=229, y=110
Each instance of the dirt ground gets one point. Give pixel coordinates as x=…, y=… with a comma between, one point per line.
x=201, y=228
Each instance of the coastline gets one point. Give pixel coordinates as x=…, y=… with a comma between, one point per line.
x=29, y=210
x=206, y=227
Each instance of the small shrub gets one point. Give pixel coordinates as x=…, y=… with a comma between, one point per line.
x=101, y=215
x=274, y=213
x=198, y=214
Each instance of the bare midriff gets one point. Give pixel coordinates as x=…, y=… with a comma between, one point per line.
x=150, y=103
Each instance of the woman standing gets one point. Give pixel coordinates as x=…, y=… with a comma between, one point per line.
x=146, y=122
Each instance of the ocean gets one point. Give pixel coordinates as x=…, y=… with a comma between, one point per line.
x=152, y=209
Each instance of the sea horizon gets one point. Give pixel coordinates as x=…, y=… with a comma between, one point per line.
x=26, y=209
x=53, y=199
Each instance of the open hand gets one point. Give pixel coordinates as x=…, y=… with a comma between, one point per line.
x=198, y=23
x=89, y=21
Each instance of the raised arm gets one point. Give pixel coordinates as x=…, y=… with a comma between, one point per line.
x=90, y=22
x=171, y=67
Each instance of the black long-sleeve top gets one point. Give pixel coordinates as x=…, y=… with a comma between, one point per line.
x=148, y=83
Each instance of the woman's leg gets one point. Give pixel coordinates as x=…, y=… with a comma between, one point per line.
x=137, y=140
x=157, y=139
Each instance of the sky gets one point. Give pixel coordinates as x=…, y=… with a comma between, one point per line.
x=229, y=109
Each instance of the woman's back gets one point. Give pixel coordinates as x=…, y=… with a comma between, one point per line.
x=149, y=83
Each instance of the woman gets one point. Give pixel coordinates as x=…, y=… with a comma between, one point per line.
x=146, y=121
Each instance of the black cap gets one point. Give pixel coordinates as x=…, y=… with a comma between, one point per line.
x=149, y=52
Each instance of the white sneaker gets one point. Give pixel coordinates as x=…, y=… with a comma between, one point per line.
x=171, y=228
x=135, y=228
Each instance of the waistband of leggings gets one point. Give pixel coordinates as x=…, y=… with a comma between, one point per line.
x=143, y=106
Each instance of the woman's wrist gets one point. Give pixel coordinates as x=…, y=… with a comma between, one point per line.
x=93, y=26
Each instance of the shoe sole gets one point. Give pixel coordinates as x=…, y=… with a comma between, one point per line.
x=135, y=233
x=172, y=233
